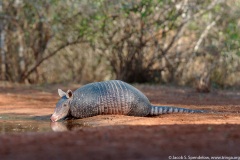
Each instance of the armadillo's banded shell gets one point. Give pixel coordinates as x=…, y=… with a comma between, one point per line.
x=109, y=97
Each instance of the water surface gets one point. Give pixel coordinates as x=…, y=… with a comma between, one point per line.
x=19, y=123
x=15, y=123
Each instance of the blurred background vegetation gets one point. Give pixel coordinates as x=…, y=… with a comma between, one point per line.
x=181, y=42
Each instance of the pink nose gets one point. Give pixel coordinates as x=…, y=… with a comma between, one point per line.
x=53, y=118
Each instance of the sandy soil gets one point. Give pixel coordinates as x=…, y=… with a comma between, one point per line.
x=123, y=137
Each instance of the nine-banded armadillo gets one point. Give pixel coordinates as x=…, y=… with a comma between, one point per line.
x=108, y=97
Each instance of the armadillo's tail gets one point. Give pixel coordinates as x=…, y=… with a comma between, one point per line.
x=157, y=110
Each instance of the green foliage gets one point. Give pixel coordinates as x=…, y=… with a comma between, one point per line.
x=136, y=41
x=232, y=36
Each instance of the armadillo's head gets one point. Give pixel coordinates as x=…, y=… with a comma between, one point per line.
x=63, y=106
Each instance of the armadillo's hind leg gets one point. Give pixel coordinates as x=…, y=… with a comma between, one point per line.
x=157, y=110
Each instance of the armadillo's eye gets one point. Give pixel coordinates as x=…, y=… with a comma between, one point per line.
x=65, y=105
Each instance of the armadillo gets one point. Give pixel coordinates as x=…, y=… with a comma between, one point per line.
x=108, y=97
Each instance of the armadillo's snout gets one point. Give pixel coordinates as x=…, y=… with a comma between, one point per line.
x=53, y=118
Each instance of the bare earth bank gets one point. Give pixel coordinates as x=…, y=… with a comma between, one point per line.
x=123, y=137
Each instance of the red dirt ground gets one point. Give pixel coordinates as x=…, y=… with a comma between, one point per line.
x=123, y=137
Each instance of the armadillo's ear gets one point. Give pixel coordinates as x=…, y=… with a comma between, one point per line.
x=69, y=94
x=61, y=93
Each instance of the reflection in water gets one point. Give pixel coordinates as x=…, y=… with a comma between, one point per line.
x=68, y=126
x=58, y=127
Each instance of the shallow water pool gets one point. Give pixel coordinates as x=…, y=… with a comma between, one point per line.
x=16, y=123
